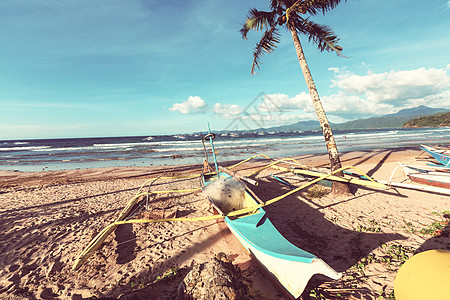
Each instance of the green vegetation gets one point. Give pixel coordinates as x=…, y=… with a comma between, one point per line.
x=409, y=227
x=394, y=256
x=142, y=283
x=362, y=228
x=439, y=120
x=374, y=123
x=169, y=274
x=316, y=192
x=438, y=228
x=383, y=295
x=333, y=219
x=363, y=262
x=372, y=228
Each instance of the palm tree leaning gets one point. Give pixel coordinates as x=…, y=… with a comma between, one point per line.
x=294, y=16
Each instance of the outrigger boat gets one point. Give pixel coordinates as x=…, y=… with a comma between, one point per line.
x=423, y=176
x=442, y=156
x=438, y=150
x=289, y=266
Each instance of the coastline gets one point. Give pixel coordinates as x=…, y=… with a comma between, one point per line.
x=81, y=153
x=49, y=217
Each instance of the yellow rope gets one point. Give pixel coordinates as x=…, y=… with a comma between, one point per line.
x=96, y=242
x=272, y=164
x=100, y=237
x=275, y=162
x=171, y=191
x=246, y=160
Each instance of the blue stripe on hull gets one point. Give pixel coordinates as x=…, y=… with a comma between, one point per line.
x=259, y=232
x=442, y=158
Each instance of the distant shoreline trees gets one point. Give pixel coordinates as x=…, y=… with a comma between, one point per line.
x=439, y=120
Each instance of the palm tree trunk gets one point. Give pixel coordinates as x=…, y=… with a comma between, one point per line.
x=335, y=162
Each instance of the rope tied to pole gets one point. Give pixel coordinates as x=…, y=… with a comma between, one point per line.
x=209, y=136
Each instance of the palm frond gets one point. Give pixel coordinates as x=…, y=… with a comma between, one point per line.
x=257, y=20
x=321, y=35
x=298, y=7
x=277, y=5
x=312, y=7
x=267, y=44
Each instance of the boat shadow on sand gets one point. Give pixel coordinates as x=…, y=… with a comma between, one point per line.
x=303, y=222
x=304, y=225
x=307, y=227
x=300, y=220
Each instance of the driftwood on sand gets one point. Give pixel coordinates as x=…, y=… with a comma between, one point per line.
x=216, y=279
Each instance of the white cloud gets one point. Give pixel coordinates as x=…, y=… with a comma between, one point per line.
x=357, y=96
x=227, y=111
x=281, y=108
x=334, y=69
x=193, y=105
x=395, y=88
x=282, y=102
x=289, y=118
x=441, y=100
x=348, y=106
x=362, y=96
x=255, y=120
x=273, y=110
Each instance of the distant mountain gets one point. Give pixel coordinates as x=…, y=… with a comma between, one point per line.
x=390, y=121
x=299, y=126
x=439, y=120
x=419, y=111
x=387, y=121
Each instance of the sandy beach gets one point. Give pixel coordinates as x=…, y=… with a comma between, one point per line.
x=47, y=218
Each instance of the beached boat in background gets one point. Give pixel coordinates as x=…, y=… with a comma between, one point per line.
x=289, y=266
x=441, y=155
x=429, y=177
x=445, y=151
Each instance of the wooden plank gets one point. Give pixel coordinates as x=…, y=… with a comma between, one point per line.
x=419, y=187
x=357, y=181
x=239, y=176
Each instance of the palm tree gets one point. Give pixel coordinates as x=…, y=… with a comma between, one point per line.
x=294, y=16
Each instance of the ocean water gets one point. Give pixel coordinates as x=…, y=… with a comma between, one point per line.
x=74, y=153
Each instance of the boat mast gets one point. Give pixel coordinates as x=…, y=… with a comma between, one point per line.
x=211, y=137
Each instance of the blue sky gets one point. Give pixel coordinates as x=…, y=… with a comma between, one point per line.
x=114, y=68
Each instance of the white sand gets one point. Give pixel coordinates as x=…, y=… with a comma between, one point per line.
x=47, y=218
